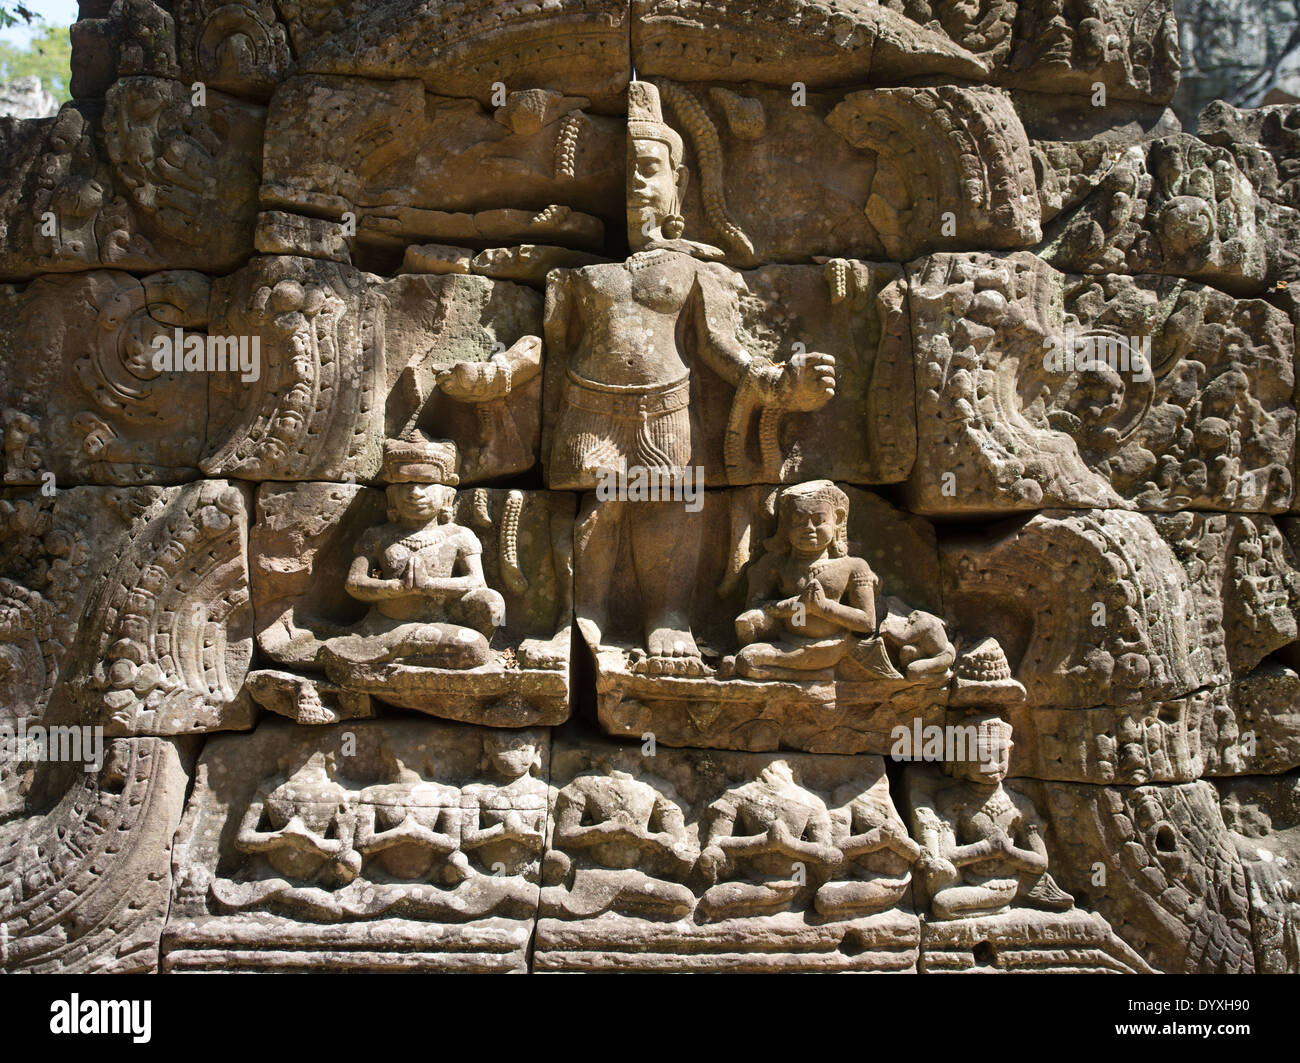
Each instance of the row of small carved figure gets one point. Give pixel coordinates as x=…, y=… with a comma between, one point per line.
x=620, y=843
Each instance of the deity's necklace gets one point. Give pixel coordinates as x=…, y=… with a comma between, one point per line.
x=419, y=539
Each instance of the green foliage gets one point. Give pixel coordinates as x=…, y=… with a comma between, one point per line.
x=12, y=14
x=48, y=56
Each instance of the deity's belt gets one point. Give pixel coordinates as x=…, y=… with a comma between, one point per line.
x=628, y=403
x=608, y=426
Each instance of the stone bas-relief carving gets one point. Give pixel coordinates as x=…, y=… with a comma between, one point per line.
x=380, y=150
x=1128, y=46
x=1037, y=389
x=1262, y=816
x=870, y=174
x=1249, y=726
x=1176, y=206
x=1177, y=892
x=85, y=863
x=127, y=608
x=349, y=359
x=984, y=873
x=454, y=603
x=1176, y=603
x=732, y=375
x=82, y=398
x=723, y=862
x=397, y=845
x=807, y=610
x=844, y=383
x=144, y=180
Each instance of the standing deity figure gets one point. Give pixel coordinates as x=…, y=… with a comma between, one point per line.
x=421, y=573
x=982, y=846
x=629, y=334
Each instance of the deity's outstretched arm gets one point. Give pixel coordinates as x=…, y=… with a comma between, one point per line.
x=715, y=321
x=805, y=382
x=720, y=821
x=249, y=838
x=493, y=380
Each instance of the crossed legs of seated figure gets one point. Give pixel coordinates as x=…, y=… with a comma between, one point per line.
x=843, y=900
x=460, y=642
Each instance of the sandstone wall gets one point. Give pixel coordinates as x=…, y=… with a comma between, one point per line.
x=653, y=485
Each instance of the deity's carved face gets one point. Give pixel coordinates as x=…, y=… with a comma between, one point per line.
x=812, y=524
x=136, y=346
x=512, y=755
x=990, y=761
x=418, y=502
x=652, y=186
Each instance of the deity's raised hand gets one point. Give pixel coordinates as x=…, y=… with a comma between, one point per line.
x=473, y=381
x=807, y=382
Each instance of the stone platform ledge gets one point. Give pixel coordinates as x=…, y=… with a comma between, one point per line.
x=1027, y=941
x=886, y=942
x=268, y=943
x=832, y=716
x=491, y=695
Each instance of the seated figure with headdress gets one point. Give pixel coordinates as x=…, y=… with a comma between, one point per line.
x=421, y=573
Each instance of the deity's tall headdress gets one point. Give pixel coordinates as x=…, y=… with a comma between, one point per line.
x=420, y=462
x=645, y=120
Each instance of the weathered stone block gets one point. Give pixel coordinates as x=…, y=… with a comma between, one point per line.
x=412, y=167
x=1159, y=865
x=1175, y=206
x=501, y=657
x=395, y=845
x=85, y=880
x=882, y=173
x=695, y=861
x=1263, y=821
x=82, y=400
x=348, y=359
x=131, y=609
x=145, y=180
x=1036, y=389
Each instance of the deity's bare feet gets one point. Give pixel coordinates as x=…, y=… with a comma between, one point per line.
x=551, y=654
x=672, y=651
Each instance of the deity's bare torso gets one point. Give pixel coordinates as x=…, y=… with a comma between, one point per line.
x=630, y=324
x=978, y=820
x=788, y=576
x=399, y=551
